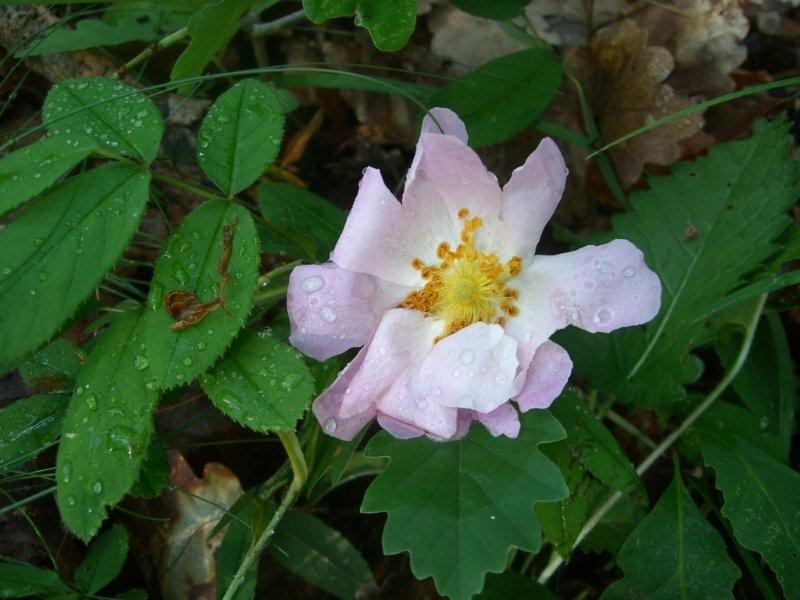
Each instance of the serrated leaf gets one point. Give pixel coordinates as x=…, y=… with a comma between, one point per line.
x=58, y=250
x=154, y=472
x=107, y=427
x=190, y=262
x=260, y=383
x=21, y=580
x=504, y=96
x=54, y=367
x=702, y=229
x=595, y=447
x=34, y=168
x=739, y=421
x=459, y=507
x=297, y=210
x=674, y=553
x=321, y=555
x=117, y=116
x=760, y=502
x=104, y=560
x=766, y=383
x=240, y=135
x=390, y=24
x=28, y=426
x=492, y=9
x=210, y=29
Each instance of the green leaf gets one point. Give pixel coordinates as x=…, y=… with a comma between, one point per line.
x=260, y=383
x=117, y=116
x=595, y=447
x=240, y=135
x=701, y=251
x=21, y=580
x=615, y=527
x=321, y=555
x=104, y=560
x=760, y=502
x=54, y=367
x=154, y=472
x=503, y=96
x=190, y=262
x=674, y=553
x=492, y=9
x=513, y=586
x=459, y=507
x=28, y=426
x=766, y=383
x=297, y=210
x=739, y=421
x=390, y=24
x=210, y=29
x=31, y=170
x=107, y=427
x=322, y=10
x=58, y=250
x=237, y=541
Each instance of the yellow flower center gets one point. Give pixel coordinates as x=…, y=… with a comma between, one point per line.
x=467, y=286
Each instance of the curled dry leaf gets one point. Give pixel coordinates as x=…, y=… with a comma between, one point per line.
x=186, y=565
x=705, y=38
x=624, y=78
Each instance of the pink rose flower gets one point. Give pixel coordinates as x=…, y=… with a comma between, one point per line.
x=445, y=293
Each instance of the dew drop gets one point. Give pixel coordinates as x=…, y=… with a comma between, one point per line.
x=382, y=350
x=141, y=362
x=602, y=316
x=629, y=272
x=312, y=284
x=91, y=402
x=328, y=314
x=97, y=488
x=329, y=426
x=456, y=373
x=187, y=361
x=71, y=501
x=66, y=472
x=201, y=346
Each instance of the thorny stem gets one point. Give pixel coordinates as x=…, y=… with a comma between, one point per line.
x=166, y=42
x=555, y=560
x=263, y=29
x=300, y=473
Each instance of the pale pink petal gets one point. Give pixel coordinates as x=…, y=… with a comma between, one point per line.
x=332, y=310
x=399, y=429
x=381, y=238
x=547, y=375
x=400, y=342
x=503, y=420
x=473, y=368
x=596, y=288
x=456, y=172
x=327, y=407
x=531, y=196
x=416, y=411
x=444, y=121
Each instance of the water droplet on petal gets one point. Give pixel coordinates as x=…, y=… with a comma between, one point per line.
x=311, y=284
x=629, y=272
x=602, y=316
x=328, y=314
x=329, y=426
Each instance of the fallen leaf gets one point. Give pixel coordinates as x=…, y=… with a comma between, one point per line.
x=624, y=79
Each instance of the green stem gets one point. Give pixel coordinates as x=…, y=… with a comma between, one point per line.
x=174, y=181
x=556, y=561
x=300, y=473
x=270, y=295
x=261, y=29
x=166, y=42
x=267, y=277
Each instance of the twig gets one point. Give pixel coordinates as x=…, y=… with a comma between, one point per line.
x=556, y=560
x=300, y=474
x=166, y=42
x=263, y=29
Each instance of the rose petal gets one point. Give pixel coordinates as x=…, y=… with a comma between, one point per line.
x=444, y=121
x=332, y=310
x=531, y=196
x=473, y=368
x=596, y=288
x=547, y=375
x=456, y=172
x=401, y=341
x=380, y=238
x=398, y=429
x=327, y=407
x=414, y=411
